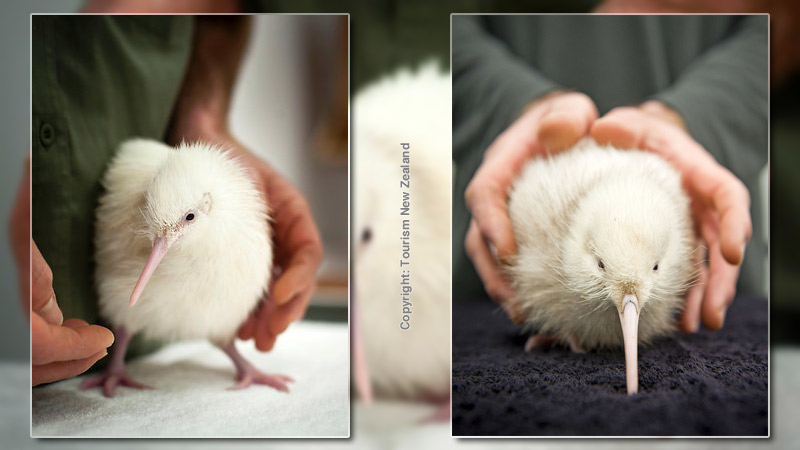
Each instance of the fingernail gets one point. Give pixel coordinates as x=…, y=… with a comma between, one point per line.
x=51, y=312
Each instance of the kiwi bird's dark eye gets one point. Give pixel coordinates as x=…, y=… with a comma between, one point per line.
x=655, y=267
x=366, y=235
x=189, y=217
x=600, y=264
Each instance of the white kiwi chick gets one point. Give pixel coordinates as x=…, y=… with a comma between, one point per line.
x=183, y=251
x=606, y=249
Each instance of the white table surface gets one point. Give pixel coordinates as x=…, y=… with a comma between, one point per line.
x=191, y=396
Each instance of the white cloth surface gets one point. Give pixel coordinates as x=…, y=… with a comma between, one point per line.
x=388, y=425
x=191, y=396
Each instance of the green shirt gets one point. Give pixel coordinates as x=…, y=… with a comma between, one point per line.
x=389, y=34
x=96, y=81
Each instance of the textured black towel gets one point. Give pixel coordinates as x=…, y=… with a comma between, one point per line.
x=707, y=383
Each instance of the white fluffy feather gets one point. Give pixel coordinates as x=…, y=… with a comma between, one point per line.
x=214, y=275
x=411, y=107
x=591, y=204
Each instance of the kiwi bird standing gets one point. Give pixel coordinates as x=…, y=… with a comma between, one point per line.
x=606, y=249
x=183, y=251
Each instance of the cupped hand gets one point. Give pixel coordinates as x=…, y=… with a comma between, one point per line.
x=552, y=123
x=297, y=248
x=720, y=202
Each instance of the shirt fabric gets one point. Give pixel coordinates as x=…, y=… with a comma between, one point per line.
x=711, y=69
x=96, y=81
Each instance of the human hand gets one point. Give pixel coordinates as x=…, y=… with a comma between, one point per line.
x=720, y=202
x=298, y=253
x=297, y=248
x=201, y=113
x=552, y=123
x=59, y=349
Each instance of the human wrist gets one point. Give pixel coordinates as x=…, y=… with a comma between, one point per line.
x=198, y=124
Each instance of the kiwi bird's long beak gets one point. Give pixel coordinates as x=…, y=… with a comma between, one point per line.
x=629, y=318
x=360, y=367
x=160, y=247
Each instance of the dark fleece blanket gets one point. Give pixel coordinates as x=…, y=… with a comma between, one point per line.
x=702, y=384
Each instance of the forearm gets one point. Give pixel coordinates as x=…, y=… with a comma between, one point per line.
x=723, y=100
x=202, y=107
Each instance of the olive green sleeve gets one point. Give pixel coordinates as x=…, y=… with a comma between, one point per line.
x=96, y=81
x=491, y=86
x=722, y=97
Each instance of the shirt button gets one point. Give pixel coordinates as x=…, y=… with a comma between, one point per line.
x=47, y=134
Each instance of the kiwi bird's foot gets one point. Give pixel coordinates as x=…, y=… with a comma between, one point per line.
x=248, y=377
x=110, y=380
x=247, y=374
x=544, y=340
x=540, y=341
x=442, y=413
x=115, y=375
x=442, y=402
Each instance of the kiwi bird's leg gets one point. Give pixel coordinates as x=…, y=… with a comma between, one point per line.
x=442, y=403
x=360, y=367
x=540, y=341
x=575, y=345
x=442, y=413
x=115, y=374
x=247, y=373
x=629, y=318
x=544, y=340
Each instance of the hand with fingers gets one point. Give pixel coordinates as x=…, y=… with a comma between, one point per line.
x=201, y=113
x=298, y=253
x=720, y=202
x=552, y=123
x=59, y=348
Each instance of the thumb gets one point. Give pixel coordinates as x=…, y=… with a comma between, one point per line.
x=43, y=297
x=566, y=121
